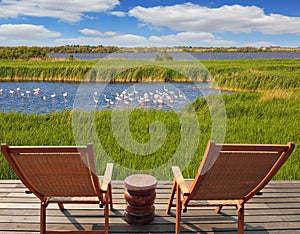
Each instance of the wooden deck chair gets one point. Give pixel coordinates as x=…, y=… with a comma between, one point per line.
x=61, y=174
x=229, y=175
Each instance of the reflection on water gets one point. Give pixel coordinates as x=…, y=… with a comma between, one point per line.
x=44, y=97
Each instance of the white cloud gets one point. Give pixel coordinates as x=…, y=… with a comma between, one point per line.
x=189, y=38
x=27, y=34
x=67, y=10
x=26, y=31
x=131, y=40
x=90, y=32
x=278, y=24
x=110, y=34
x=118, y=13
x=95, y=33
x=89, y=17
x=236, y=18
x=108, y=39
x=259, y=44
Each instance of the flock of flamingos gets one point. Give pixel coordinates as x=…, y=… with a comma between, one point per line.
x=164, y=98
x=27, y=93
x=131, y=98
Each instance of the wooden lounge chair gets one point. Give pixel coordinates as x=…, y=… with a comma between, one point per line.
x=61, y=174
x=229, y=175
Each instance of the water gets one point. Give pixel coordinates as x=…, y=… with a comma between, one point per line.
x=45, y=97
x=180, y=55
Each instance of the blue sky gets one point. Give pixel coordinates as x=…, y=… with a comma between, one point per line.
x=153, y=23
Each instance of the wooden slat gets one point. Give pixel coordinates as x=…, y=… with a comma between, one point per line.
x=276, y=211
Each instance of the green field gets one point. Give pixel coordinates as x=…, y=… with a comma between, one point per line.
x=269, y=115
x=250, y=118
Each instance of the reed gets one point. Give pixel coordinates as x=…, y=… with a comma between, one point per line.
x=251, y=75
x=103, y=71
x=255, y=74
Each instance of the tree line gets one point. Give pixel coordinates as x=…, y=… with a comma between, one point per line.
x=22, y=52
x=26, y=52
x=82, y=49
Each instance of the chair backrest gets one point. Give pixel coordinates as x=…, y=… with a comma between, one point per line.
x=54, y=170
x=237, y=171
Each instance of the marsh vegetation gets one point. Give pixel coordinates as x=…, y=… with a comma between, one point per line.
x=267, y=111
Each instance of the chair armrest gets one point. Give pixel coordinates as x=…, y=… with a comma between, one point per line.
x=108, y=172
x=106, y=179
x=180, y=181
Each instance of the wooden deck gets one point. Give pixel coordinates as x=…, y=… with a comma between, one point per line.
x=276, y=211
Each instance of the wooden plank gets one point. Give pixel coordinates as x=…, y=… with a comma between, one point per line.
x=88, y=218
x=154, y=228
x=158, y=202
x=190, y=213
x=276, y=211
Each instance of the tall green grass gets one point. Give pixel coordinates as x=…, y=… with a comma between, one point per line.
x=251, y=74
x=44, y=70
x=251, y=118
x=255, y=74
x=103, y=71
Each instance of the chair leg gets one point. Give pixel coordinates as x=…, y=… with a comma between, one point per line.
x=106, y=213
x=171, y=197
x=43, y=218
x=61, y=206
x=178, y=209
x=241, y=220
x=218, y=209
x=110, y=197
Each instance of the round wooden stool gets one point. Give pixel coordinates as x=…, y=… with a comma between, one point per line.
x=140, y=195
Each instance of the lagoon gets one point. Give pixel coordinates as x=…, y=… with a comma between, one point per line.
x=45, y=97
x=179, y=55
